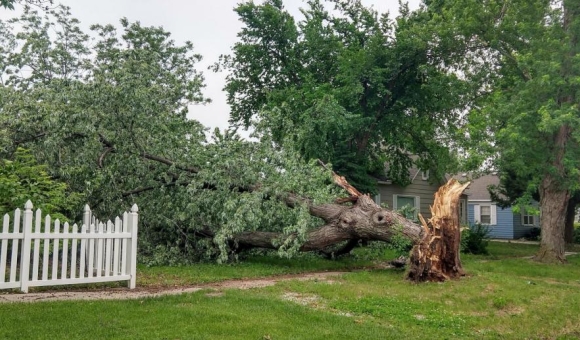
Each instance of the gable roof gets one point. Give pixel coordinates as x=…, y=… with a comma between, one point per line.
x=477, y=190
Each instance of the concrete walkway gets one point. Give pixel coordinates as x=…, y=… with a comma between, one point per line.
x=515, y=241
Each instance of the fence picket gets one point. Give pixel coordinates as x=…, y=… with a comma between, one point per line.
x=91, y=255
x=108, y=249
x=36, y=256
x=73, y=257
x=64, y=253
x=14, y=259
x=83, y=253
x=46, y=249
x=100, y=251
x=117, y=230
x=56, y=244
x=4, y=249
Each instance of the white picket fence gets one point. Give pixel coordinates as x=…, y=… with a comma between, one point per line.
x=95, y=252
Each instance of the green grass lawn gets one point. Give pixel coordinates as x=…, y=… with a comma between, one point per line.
x=504, y=296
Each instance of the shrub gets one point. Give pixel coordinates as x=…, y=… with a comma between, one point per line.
x=533, y=234
x=577, y=235
x=23, y=178
x=474, y=240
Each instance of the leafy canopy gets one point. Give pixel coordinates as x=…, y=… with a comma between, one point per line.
x=350, y=86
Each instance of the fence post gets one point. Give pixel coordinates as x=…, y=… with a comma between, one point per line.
x=26, y=244
x=132, y=245
x=87, y=223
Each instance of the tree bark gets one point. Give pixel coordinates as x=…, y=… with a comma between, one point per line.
x=436, y=256
x=364, y=220
x=554, y=206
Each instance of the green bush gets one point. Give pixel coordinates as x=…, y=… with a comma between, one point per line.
x=474, y=240
x=577, y=235
x=23, y=179
x=534, y=234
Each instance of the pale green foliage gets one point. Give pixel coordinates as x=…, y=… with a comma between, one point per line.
x=108, y=117
x=23, y=179
x=250, y=178
x=9, y=4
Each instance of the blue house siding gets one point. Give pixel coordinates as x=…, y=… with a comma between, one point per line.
x=505, y=224
x=470, y=214
x=522, y=230
x=504, y=227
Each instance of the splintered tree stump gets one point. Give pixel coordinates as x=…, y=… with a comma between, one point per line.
x=436, y=256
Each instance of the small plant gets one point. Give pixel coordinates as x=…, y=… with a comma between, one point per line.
x=500, y=302
x=533, y=234
x=409, y=212
x=577, y=235
x=474, y=240
x=402, y=245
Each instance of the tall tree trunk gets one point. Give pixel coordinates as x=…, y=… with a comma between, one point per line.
x=436, y=256
x=553, y=207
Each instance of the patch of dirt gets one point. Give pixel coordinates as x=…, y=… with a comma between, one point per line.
x=301, y=299
x=510, y=311
x=147, y=292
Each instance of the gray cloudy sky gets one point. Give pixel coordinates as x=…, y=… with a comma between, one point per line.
x=212, y=26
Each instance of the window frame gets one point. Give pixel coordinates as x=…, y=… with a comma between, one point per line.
x=417, y=203
x=526, y=214
x=477, y=213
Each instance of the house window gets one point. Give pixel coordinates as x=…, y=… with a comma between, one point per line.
x=527, y=219
x=425, y=175
x=412, y=202
x=462, y=211
x=485, y=214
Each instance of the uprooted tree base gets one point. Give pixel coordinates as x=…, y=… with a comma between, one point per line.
x=435, y=256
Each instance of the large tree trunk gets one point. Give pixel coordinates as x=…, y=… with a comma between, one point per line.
x=364, y=220
x=553, y=207
x=436, y=256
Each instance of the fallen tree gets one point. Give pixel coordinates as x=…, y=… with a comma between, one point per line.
x=435, y=254
x=361, y=219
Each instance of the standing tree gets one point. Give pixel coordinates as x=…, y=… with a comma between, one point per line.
x=348, y=86
x=528, y=51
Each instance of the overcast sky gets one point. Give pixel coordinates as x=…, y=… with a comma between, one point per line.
x=212, y=26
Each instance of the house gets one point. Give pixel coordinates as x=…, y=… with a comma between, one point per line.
x=418, y=194
x=503, y=223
